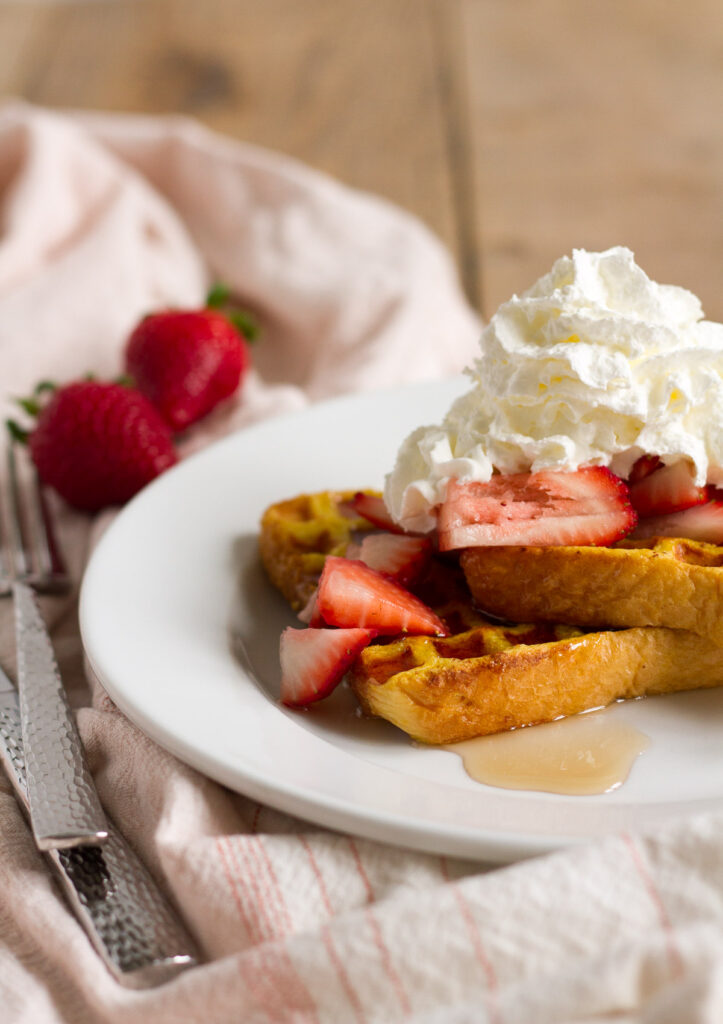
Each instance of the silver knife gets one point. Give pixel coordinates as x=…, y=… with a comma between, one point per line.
x=64, y=807
x=131, y=925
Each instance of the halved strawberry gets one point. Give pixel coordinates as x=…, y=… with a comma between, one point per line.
x=701, y=522
x=644, y=466
x=588, y=506
x=372, y=508
x=667, y=489
x=352, y=594
x=313, y=661
x=396, y=554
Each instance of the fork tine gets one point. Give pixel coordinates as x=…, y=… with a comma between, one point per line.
x=51, y=564
x=17, y=546
x=34, y=546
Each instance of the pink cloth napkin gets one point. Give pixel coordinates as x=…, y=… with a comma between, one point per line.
x=103, y=219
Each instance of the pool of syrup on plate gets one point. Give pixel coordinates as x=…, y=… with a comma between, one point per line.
x=581, y=755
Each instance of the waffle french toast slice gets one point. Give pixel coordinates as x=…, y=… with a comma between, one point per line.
x=486, y=676
x=297, y=535
x=494, y=678
x=656, y=582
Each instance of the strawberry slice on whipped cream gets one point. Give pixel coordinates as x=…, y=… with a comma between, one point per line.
x=588, y=506
x=666, y=489
x=703, y=522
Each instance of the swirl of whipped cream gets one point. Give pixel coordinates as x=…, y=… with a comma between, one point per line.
x=594, y=365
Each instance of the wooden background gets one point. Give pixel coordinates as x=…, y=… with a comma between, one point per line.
x=517, y=129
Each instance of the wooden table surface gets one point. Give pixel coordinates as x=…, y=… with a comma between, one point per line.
x=517, y=129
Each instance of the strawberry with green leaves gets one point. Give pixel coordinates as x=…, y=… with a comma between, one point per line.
x=187, y=361
x=96, y=443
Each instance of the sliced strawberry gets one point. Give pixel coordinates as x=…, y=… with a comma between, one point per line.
x=313, y=661
x=645, y=465
x=372, y=508
x=310, y=612
x=588, y=506
x=667, y=489
x=352, y=594
x=701, y=522
x=396, y=554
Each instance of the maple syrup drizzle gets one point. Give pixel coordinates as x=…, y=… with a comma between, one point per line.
x=582, y=755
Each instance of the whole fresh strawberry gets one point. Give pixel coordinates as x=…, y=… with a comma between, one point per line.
x=98, y=444
x=187, y=361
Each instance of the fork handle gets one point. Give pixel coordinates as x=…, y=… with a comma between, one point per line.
x=65, y=809
x=131, y=925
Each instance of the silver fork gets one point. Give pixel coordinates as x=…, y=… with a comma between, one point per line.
x=64, y=806
x=135, y=931
x=31, y=554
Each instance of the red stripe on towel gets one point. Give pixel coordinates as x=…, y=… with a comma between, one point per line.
x=479, y=952
x=477, y=945
x=344, y=978
x=387, y=962
x=231, y=880
x=254, y=966
x=327, y=938
x=676, y=960
x=258, y=894
x=362, y=873
x=276, y=961
x=274, y=888
x=317, y=872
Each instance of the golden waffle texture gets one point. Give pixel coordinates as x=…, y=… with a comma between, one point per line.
x=297, y=535
x=487, y=676
x=657, y=582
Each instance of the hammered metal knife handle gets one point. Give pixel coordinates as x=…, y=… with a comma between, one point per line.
x=131, y=925
x=64, y=806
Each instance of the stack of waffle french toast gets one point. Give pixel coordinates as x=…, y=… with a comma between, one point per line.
x=493, y=636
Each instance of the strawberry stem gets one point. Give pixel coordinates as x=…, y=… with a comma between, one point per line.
x=220, y=298
x=218, y=295
x=244, y=324
x=16, y=432
x=29, y=405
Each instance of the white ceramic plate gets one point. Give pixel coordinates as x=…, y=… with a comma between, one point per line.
x=182, y=628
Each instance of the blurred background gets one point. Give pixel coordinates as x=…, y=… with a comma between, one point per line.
x=516, y=129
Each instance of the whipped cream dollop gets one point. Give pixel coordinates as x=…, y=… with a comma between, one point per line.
x=594, y=365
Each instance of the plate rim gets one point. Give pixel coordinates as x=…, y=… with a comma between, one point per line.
x=323, y=808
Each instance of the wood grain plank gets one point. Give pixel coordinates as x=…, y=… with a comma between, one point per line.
x=597, y=124
x=351, y=88
x=454, y=96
